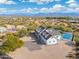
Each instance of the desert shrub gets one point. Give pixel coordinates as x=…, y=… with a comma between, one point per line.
x=12, y=42
x=76, y=39
x=21, y=33
x=62, y=28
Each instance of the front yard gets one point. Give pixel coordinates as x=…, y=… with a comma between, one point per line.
x=59, y=51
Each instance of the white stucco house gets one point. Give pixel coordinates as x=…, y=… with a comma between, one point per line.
x=55, y=36
x=19, y=27
x=3, y=29
x=10, y=27
x=48, y=36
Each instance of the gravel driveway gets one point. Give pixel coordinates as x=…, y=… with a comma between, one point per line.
x=31, y=50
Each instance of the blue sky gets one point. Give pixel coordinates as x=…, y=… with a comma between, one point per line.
x=38, y=6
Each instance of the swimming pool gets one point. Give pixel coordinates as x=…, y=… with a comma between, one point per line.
x=67, y=36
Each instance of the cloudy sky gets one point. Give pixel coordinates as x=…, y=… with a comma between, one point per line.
x=38, y=6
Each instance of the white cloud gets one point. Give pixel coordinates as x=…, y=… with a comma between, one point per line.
x=29, y=10
x=38, y=1
x=7, y=11
x=58, y=7
x=53, y=9
x=77, y=9
x=3, y=1
x=72, y=3
x=44, y=10
x=10, y=2
x=22, y=0
x=35, y=10
x=3, y=10
x=7, y=2
x=57, y=0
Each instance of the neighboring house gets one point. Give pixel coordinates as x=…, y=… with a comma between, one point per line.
x=19, y=27
x=73, y=21
x=11, y=28
x=3, y=29
x=47, y=36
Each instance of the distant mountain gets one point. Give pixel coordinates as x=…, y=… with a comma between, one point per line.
x=42, y=14
x=56, y=14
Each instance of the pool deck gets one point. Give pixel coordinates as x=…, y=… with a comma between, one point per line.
x=58, y=51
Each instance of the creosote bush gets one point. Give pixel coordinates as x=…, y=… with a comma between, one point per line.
x=11, y=43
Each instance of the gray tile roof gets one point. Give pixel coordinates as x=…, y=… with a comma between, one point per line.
x=39, y=29
x=46, y=35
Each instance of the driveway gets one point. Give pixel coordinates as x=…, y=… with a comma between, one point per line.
x=32, y=45
x=31, y=50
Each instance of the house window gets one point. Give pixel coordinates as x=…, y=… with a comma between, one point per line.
x=53, y=41
x=49, y=41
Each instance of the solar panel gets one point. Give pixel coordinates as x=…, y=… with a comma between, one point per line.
x=46, y=35
x=39, y=29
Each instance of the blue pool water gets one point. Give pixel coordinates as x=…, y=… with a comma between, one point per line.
x=67, y=36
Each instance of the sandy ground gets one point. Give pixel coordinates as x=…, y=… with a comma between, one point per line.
x=58, y=51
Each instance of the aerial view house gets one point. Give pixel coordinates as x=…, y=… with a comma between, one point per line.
x=47, y=36
x=51, y=36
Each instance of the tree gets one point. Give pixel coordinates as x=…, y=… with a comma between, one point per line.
x=76, y=39
x=11, y=43
x=21, y=33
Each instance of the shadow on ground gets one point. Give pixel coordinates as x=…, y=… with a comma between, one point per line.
x=4, y=56
x=32, y=35
x=70, y=55
x=32, y=45
x=70, y=43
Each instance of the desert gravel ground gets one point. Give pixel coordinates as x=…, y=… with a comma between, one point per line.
x=58, y=51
